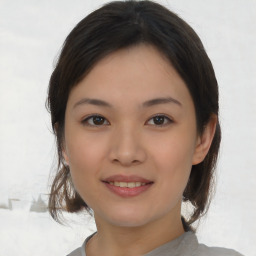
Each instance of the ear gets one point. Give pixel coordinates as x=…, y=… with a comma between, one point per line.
x=64, y=152
x=204, y=140
x=65, y=156
x=63, y=147
x=55, y=127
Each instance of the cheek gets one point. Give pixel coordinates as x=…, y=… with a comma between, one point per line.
x=174, y=152
x=85, y=150
x=85, y=161
x=86, y=154
x=173, y=159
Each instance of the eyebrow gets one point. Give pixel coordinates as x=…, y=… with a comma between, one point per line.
x=157, y=101
x=149, y=103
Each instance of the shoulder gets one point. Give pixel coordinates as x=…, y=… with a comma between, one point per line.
x=77, y=252
x=191, y=244
x=204, y=250
x=81, y=250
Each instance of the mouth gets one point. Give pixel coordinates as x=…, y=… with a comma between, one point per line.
x=122, y=184
x=127, y=186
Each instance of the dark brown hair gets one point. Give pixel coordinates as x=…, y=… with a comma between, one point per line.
x=122, y=24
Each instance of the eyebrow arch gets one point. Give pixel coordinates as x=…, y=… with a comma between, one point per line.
x=160, y=101
x=93, y=102
x=148, y=103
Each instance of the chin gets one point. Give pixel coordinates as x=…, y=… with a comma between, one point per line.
x=131, y=218
x=128, y=222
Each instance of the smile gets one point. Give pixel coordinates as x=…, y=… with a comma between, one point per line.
x=127, y=184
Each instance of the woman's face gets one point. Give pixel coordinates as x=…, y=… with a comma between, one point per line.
x=131, y=138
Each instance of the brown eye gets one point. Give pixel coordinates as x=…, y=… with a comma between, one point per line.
x=160, y=120
x=95, y=120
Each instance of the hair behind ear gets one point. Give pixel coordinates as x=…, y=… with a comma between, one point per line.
x=201, y=184
x=63, y=196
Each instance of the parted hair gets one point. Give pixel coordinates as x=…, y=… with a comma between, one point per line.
x=118, y=25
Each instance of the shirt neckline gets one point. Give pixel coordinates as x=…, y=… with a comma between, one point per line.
x=175, y=245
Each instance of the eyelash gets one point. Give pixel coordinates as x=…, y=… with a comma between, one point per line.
x=85, y=121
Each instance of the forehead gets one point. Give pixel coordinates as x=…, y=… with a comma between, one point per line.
x=132, y=74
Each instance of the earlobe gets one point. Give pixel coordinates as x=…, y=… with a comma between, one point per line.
x=63, y=151
x=55, y=127
x=205, y=140
x=65, y=157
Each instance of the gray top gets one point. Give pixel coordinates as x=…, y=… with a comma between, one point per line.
x=185, y=245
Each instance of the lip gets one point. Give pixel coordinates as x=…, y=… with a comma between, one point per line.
x=126, y=178
x=124, y=191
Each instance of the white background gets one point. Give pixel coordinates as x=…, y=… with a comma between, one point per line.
x=31, y=35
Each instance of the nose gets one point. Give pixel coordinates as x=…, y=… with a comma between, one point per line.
x=127, y=147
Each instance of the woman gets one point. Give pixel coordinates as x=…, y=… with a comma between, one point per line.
x=134, y=107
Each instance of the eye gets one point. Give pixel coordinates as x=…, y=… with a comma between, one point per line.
x=160, y=120
x=95, y=120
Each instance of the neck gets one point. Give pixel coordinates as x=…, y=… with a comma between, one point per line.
x=130, y=241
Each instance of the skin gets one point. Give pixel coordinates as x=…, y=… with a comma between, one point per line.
x=129, y=141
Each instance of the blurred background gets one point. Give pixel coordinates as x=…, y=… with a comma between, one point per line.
x=31, y=36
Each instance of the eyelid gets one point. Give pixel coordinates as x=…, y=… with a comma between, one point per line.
x=170, y=120
x=85, y=120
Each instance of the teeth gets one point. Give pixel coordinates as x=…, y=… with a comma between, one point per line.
x=131, y=185
x=127, y=184
x=123, y=184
